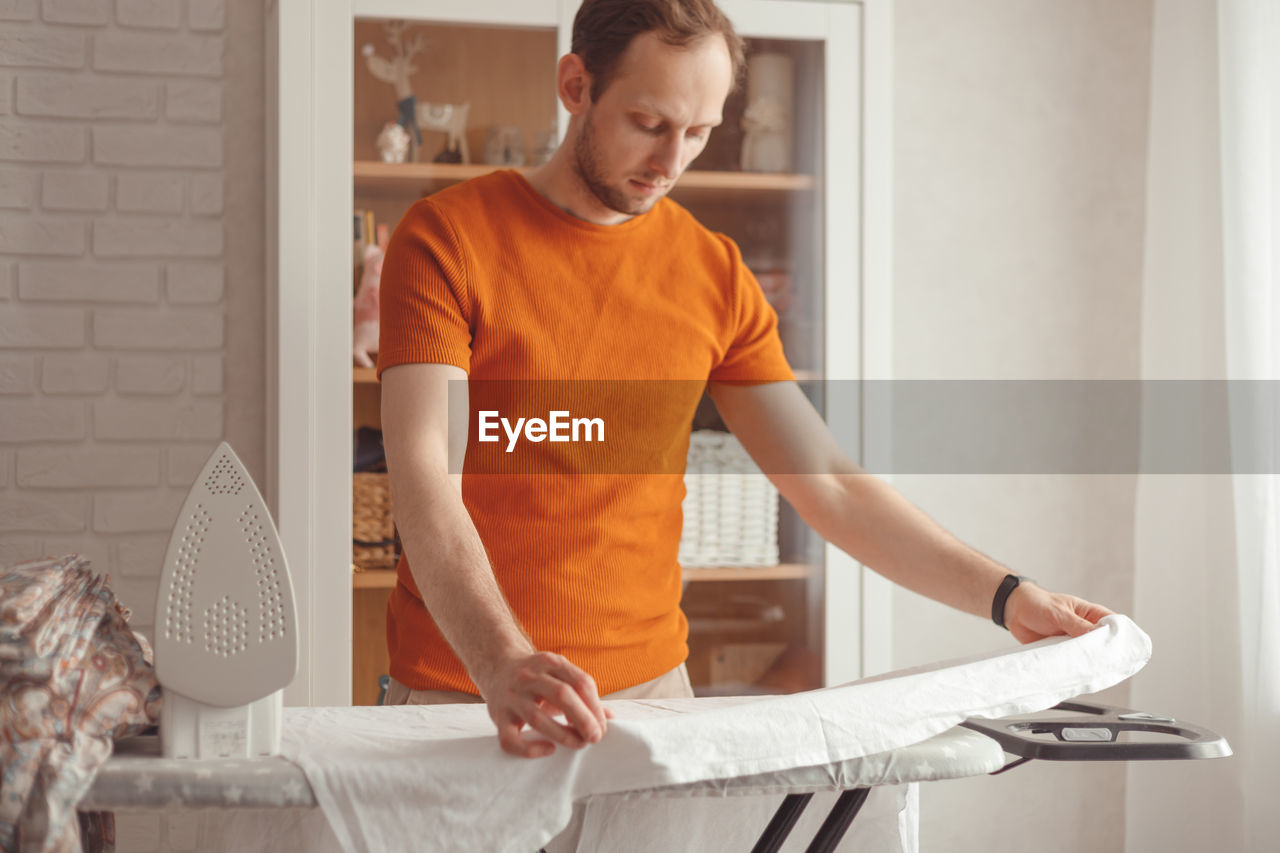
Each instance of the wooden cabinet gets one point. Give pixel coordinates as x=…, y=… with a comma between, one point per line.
x=787, y=627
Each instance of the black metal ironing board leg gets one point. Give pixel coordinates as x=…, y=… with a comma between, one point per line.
x=828, y=836
x=780, y=825
x=839, y=820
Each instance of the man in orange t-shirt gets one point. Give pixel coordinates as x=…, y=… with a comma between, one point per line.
x=538, y=580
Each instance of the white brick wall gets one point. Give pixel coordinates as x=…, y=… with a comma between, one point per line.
x=150, y=53
x=76, y=11
x=22, y=327
x=74, y=190
x=206, y=378
x=131, y=466
x=180, y=147
x=162, y=375
x=76, y=97
x=173, y=832
x=112, y=294
x=156, y=14
x=194, y=283
x=119, y=303
x=78, y=281
x=32, y=419
x=137, y=420
x=40, y=236
x=140, y=237
x=157, y=329
x=193, y=101
x=17, y=10
x=150, y=192
x=17, y=188
x=17, y=375
x=76, y=373
x=43, y=47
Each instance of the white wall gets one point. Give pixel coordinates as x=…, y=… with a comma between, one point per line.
x=131, y=280
x=1020, y=156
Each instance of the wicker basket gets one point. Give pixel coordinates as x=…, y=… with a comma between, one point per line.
x=374, y=542
x=730, y=507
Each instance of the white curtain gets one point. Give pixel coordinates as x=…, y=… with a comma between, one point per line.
x=1207, y=550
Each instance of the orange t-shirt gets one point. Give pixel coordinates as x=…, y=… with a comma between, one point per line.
x=623, y=323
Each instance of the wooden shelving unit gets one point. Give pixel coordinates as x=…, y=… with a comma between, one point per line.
x=386, y=578
x=376, y=178
x=369, y=375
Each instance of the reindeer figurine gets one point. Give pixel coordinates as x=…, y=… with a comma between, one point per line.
x=397, y=70
x=450, y=119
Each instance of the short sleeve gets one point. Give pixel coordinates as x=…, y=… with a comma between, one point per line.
x=754, y=353
x=425, y=309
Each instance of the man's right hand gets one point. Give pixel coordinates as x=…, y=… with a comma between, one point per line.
x=531, y=690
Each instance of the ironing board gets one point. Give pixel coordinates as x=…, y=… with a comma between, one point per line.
x=363, y=765
x=137, y=777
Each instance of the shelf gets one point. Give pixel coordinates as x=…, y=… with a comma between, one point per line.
x=386, y=578
x=375, y=177
x=782, y=571
x=369, y=375
x=373, y=579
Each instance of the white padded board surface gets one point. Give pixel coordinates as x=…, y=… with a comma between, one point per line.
x=226, y=629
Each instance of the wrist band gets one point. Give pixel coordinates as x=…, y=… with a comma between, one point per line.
x=1007, y=586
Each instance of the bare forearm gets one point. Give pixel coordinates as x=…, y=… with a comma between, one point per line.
x=870, y=520
x=424, y=414
x=452, y=572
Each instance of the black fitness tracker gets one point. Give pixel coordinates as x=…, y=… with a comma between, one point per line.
x=1007, y=586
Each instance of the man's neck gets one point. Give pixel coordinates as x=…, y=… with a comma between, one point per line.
x=558, y=181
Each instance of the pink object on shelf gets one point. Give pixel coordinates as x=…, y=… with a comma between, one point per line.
x=364, y=311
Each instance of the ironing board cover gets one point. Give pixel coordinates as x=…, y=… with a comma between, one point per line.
x=434, y=777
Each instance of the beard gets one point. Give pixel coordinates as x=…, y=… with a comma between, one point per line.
x=587, y=164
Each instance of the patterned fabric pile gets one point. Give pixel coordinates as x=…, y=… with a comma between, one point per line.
x=73, y=678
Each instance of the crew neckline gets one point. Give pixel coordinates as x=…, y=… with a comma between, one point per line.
x=581, y=224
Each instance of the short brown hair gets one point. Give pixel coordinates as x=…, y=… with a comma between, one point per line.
x=603, y=29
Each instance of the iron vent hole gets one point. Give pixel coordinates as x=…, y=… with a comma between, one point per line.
x=226, y=627
x=271, y=625
x=177, y=617
x=225, y=478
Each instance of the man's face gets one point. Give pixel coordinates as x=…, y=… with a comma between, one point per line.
x=652, y=120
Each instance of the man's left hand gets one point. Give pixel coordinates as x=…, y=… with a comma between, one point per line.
x=1033, y=613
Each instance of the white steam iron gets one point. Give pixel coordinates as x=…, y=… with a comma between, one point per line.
x=226, y=625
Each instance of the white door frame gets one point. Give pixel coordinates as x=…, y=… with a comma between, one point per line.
x=309, y=202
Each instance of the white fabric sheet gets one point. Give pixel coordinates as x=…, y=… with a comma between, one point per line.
x=728, y=815
x=886, y=823
x=433, y=777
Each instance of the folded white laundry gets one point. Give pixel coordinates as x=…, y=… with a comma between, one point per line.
x=434, y=778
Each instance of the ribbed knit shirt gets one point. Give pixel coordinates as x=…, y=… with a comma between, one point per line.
x=625, y=323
